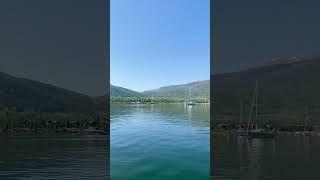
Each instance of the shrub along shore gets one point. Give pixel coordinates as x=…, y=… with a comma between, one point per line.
x=147, y=100
x=12, y=122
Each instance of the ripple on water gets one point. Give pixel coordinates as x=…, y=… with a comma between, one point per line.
x=162, y=140
x=63, y=157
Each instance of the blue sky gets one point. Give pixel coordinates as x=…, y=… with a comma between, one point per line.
x=157, y=43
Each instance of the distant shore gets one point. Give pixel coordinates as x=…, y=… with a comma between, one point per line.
x=154, y=103
x=156, y=100
x=12, y=122
x=26, y=131
x=279, y=133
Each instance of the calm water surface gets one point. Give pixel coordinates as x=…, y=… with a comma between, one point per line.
x=286, y=158
x=160, y=142
x=58, y=157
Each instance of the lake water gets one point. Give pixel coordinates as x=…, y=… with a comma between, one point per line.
x=285, y=158
x=53, y=157
x=160, y=142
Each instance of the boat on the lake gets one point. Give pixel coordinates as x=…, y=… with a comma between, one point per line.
x=241, y=131
x=152, y=101
x=261, y=133
x=256, y=131
x=189, y=101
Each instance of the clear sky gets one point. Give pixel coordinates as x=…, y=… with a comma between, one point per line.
x=58, y=42
x=251, y=32
x=157, y=43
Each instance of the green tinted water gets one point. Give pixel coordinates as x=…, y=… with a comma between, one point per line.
x=160, y=142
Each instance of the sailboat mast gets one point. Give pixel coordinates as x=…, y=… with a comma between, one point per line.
x=253, y=100
x=257, y=102
x=241, y=112
x=185, y=95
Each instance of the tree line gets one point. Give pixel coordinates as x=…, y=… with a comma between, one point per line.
x=118, y=99
x=10, y=119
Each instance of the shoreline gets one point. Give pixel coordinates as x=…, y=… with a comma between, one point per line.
x=152, y=103
x=74, y=131
x=280, y=133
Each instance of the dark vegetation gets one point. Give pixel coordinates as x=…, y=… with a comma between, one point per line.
x=199, y=89
x=27, y=95
x=12, y=121
x=123, y=92
x=147, y=100
x=30, y=106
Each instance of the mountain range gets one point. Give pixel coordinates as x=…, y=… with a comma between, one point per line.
x=199, y=89
x=24, y=94
x=285, y=86
x=123, y=92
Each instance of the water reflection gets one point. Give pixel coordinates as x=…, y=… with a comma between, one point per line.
x=53, y=157
x=287, y=157
x=175, y=138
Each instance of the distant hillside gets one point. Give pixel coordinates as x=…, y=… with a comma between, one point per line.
x=285, y=87
x=200, y=89
x=23, y=94
x=117, y=91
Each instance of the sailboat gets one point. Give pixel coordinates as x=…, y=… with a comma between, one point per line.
x=190, y=102
x=152, y=102
x=241, y=131
x=307, y=120
x=257, y=132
